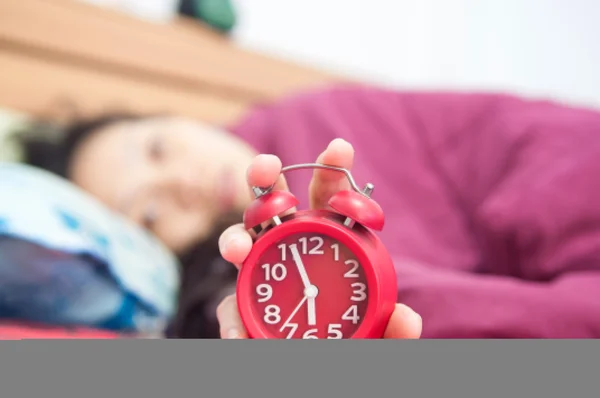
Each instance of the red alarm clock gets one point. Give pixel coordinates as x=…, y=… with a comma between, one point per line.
x=316, y=274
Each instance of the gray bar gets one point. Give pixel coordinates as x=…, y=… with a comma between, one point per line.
x=277, y=368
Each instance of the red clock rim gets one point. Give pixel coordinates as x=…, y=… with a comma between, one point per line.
x=324, y=226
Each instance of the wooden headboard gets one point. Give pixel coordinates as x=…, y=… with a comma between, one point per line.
x=60, y=52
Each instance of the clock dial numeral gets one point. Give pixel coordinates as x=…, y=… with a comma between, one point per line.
x=265, y=291
x=278, y=272
x=316, y=249
x=316, y=243
x=352, y=272
x=336, y=251
x=292, y=326
x=310, y=334
x=272, y=316
x=351, y=314
x=359, y=290
x=334, y=332
x=283, y=248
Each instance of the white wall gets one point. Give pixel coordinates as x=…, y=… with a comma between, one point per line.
x=542, y=48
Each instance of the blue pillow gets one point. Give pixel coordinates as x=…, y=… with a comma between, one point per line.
x=67, y=259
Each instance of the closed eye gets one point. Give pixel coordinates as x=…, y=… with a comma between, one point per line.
x=156, y=148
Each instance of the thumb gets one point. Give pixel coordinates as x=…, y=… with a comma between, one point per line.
x=404, y=324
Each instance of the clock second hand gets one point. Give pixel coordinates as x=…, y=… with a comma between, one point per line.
x=293, y=313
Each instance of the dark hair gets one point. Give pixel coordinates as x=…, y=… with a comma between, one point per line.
x=51, y=146
x=206, y=276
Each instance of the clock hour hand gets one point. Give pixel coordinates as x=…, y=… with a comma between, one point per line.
x=312, y=312
x=300, y=266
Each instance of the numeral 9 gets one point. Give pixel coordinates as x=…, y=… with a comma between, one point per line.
x=265, y=292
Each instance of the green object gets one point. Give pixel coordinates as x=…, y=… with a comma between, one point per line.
x=219, y=14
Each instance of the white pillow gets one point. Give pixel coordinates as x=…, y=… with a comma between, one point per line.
x=138, y=276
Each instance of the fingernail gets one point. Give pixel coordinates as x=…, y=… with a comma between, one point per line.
x=265, y=156
x=338, y=141
x=223, y=246
x=418, y=318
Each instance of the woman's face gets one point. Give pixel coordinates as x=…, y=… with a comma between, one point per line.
x=174, y=176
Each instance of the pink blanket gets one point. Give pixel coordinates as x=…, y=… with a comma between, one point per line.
x=17, y=330
x=492, y=202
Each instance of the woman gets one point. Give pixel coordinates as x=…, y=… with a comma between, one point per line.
x=492, y=212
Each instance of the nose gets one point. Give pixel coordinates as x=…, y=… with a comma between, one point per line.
x=187, y=189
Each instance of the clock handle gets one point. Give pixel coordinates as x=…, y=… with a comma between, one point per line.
x=356, y=205
x=366, y=191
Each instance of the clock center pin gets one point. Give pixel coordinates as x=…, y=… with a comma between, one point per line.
x=311, y=291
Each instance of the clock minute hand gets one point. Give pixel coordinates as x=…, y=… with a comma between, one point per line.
x=310, y=291
x=300, y=266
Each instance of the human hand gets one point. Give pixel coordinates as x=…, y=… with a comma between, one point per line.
x=235, y=243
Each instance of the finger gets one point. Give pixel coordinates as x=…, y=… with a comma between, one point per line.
x=230, y=323
x=404, y=324
x=325, y=183
x=234, y=244
x=264, y=171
